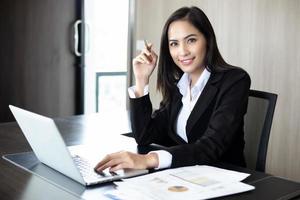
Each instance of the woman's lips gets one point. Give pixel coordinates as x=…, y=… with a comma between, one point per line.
x=186, y=61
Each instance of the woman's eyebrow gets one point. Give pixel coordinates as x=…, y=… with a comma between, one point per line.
x=190, y=35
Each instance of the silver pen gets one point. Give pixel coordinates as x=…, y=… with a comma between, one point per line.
x=148, y=47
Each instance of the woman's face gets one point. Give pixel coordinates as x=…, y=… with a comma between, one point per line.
x=187, y=47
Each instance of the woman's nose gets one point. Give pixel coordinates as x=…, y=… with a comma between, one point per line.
x=183, y=50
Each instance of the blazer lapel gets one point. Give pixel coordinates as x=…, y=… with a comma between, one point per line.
x=204, y=100
x=176, y=106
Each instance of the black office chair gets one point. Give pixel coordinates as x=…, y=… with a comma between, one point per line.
x=258, y=122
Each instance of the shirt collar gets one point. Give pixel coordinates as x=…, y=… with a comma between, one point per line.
x=184, y=83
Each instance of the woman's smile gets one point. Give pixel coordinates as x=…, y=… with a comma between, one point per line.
x=186, y=61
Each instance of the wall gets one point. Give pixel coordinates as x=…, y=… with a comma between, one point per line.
x=262, y=36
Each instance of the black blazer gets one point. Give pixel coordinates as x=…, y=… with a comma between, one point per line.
x=214, y=128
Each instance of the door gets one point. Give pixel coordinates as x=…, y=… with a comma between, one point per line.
x=38, y=68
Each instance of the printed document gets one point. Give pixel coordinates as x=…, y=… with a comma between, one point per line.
x=194, y=182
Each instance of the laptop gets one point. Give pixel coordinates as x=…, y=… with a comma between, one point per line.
x=49, y=147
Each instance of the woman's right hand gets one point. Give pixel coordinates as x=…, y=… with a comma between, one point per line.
x=143, y=66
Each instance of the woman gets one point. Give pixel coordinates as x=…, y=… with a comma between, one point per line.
x=200, y=118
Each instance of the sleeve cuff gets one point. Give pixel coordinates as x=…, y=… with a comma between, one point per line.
x=164, y=159
x=131, y=91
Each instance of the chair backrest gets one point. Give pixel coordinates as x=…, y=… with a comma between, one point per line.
x=258, y=122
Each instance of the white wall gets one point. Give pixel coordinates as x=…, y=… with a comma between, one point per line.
x=262, y=36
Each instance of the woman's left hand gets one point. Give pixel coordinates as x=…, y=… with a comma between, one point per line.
x=125, y=159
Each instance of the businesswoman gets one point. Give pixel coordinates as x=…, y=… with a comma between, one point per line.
x=200, y=118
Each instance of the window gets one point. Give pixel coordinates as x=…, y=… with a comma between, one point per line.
x=111, y=91
x=106, y=55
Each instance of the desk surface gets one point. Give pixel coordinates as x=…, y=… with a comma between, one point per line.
x=15, y=183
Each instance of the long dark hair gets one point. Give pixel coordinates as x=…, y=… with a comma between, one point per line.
x=168, y=72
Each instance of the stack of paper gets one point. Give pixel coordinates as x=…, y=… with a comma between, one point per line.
x=195, y=182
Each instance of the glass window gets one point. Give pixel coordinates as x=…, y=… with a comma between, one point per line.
x=111, y=91
x=106, y=54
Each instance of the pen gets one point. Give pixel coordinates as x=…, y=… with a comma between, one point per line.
x=148, y=47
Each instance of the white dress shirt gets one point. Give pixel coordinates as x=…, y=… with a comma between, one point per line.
x=189, y=99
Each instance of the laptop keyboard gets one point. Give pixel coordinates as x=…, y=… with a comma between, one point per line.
x=87, y=171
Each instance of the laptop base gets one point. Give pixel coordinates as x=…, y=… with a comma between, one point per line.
x=29, y=162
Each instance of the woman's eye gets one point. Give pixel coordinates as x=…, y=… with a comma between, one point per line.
x=192, y=40
x=173, y=44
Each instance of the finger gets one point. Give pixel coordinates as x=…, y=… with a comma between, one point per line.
x=146, y=52
x=101, y=166
x=106, y=165
x=110, y=163
x=138, y=60
x=119, y=167
x=145, y=58
x=102, y=162
x=154, y=55
x=107, y=158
